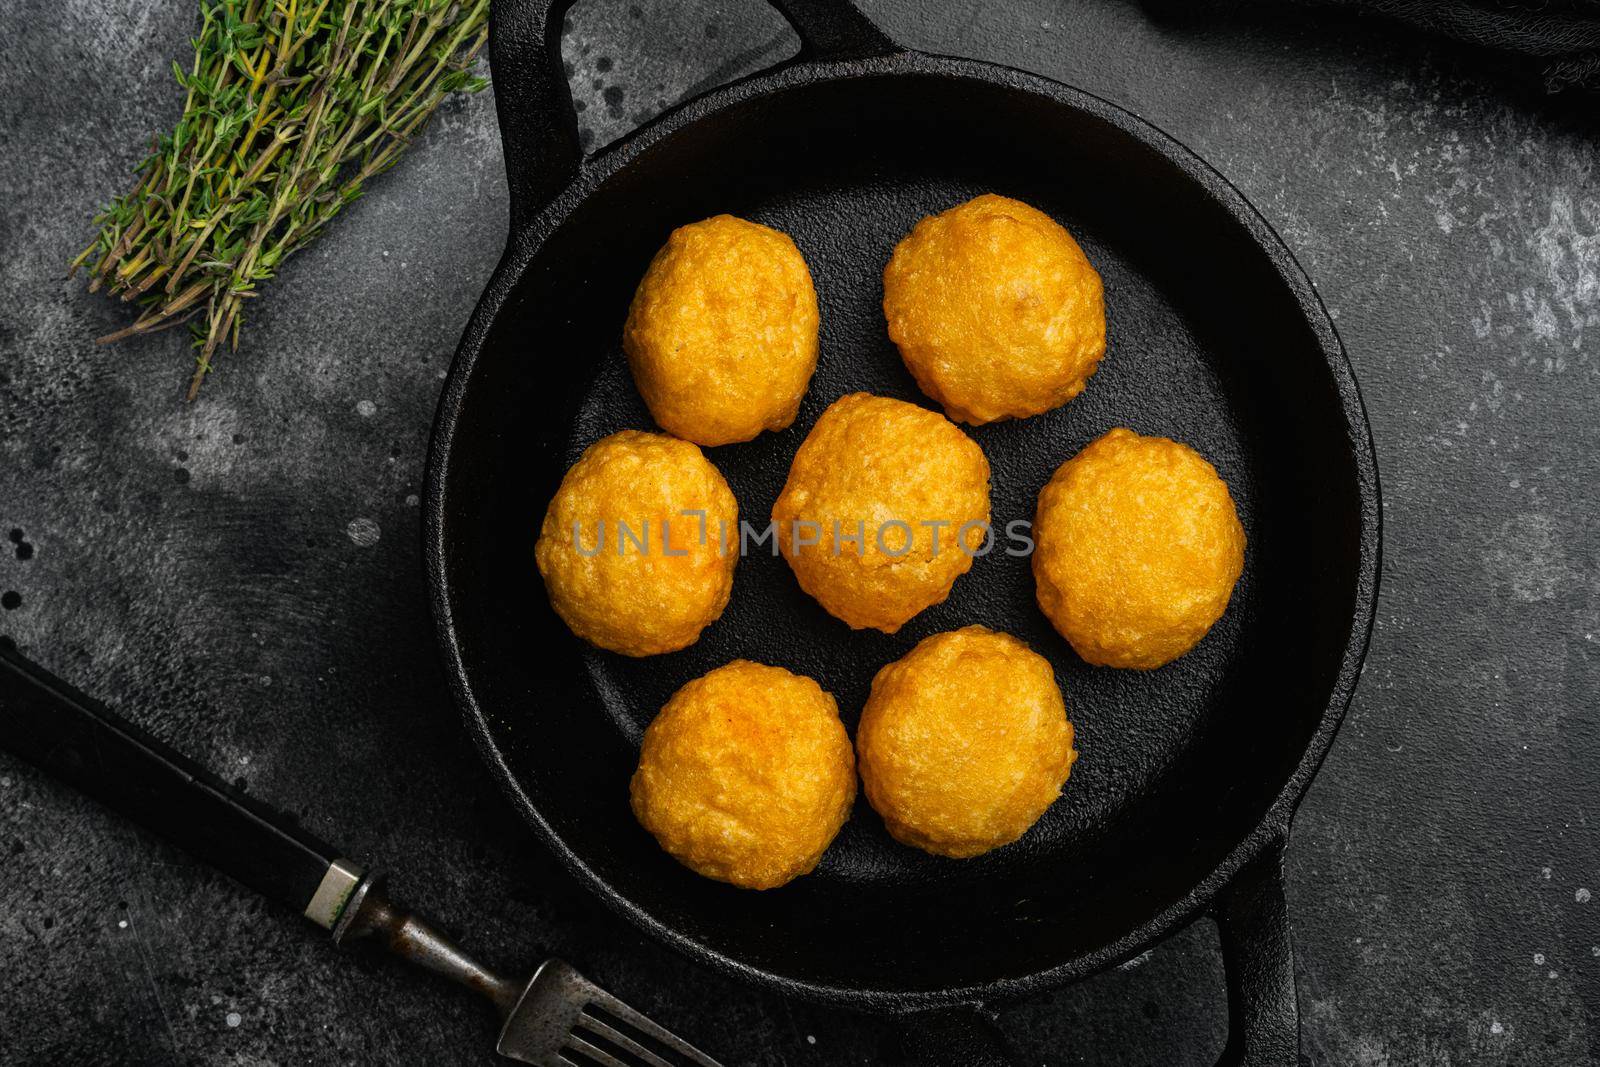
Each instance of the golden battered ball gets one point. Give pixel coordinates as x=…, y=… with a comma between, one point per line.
x=746, y=775
x=722, y=334
x=871, y=519
x=1137, y=550
x=996, y=310
x=965, y=742
x=643, y=576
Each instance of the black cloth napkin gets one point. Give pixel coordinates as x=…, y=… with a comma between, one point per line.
x=1559, y=40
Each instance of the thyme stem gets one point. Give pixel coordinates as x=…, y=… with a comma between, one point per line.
x=290, y=107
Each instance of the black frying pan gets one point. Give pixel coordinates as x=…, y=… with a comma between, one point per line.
x=1189, y=775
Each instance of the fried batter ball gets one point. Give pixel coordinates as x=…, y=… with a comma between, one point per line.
x=964, y=742
x=746, y=775
x=722, y=333
x=996, y=310
x=1138, y=549
x=881, y=498
x=639, y=543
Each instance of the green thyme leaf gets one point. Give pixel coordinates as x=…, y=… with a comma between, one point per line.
x=290, y=107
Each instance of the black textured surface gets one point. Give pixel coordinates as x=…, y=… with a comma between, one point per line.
x=267, y=611
x=1556, y=42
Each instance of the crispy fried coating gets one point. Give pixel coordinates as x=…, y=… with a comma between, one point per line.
x=722, y=332
x=627, y=564
x=871, y=517
x=964, y=742
x=996, y=310
x=746, y=775
x=1138, y=547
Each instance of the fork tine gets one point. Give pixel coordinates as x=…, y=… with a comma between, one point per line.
x=606, y=1002
x=600, y=1056
x=621, y=1040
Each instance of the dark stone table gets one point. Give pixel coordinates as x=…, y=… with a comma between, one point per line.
x=241, y=575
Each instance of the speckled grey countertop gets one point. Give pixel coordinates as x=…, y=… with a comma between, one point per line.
x=242, y=575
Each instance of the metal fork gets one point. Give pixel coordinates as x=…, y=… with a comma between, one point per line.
x=554, y=1019
x=557, y=1018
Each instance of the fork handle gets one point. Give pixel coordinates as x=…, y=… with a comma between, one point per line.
x=85, y=744
x=371, y=916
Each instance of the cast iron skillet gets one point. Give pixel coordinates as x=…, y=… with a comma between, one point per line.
x=1188, y=775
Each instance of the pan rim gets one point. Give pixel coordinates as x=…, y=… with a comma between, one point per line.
x=523, y=244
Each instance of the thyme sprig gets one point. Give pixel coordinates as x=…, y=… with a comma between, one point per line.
x=290, y=106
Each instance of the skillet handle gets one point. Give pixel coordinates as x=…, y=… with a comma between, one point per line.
x=538, y=124
x=1258, y=959
x=1263, y=1010
x=834, y=29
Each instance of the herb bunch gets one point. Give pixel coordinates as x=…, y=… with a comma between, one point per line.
x=291, y=106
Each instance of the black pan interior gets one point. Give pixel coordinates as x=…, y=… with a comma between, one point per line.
x=1207, y=345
